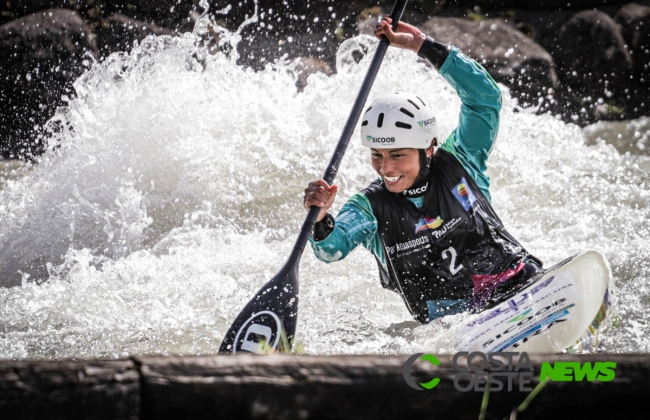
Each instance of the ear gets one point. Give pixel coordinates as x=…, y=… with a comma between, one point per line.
x=429, y=151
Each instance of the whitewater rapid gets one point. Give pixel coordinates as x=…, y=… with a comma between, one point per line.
x=171, y=192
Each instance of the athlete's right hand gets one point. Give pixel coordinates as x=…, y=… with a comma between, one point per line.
x=320, y=194
x=405, y=36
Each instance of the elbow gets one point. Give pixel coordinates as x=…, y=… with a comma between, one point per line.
x=492, y=102
x=493, y=96
x=329, y=255
x=498, y=104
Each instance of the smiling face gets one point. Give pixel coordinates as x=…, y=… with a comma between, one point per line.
x=398, y=167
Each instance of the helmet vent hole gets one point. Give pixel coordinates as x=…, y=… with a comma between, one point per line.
x=369, y=108
x=380, y=120
x=403, y=125
x=421, y=100
x=407, y=112
x=414, y=104
x=364, y=123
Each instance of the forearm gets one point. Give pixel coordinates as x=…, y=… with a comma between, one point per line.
x=355, y=224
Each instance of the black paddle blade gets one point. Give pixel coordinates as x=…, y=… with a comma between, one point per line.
x=269, y=320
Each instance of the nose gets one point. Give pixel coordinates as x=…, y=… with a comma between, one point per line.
x=387, y=167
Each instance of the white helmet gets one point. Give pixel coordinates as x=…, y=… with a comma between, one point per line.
x=398, y=120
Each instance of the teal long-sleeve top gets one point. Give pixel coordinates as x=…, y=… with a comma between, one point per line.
x=470, y=142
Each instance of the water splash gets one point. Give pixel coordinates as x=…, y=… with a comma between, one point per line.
x=171, y=191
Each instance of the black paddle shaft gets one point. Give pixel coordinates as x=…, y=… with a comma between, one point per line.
x=270, y=318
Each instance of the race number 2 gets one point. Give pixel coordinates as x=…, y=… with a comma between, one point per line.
x=451, y=252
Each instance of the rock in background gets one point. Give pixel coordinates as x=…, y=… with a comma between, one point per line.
x=600, y=72
x=119, y=33
x=511, y=57
x=41, y=55
x=594, y=62
x=634, y=20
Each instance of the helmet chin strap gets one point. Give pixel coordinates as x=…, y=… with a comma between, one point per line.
x=425, y=162
x=419, y=187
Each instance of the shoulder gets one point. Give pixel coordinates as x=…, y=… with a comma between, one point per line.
x=357, y=204
x=449, y=156
x=374, y=190
x=375, y=187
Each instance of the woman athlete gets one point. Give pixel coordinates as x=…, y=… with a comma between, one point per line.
x=428, y=218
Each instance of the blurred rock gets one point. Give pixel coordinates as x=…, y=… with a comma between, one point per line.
x=507, y=54
x=171, y=14
x=41, y=55
x=303, y=67
x=13, y=9
x=545, y=24
x=635, y=23
x=290, y=16
x=592, y=44
x=258, y=48
x=538, y=4
x=287, y=29
x=119, y=32
x=593, y=62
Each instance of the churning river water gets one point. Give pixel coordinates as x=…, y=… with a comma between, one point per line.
x=171, y=193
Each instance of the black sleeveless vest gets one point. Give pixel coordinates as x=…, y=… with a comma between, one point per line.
x=431, y=253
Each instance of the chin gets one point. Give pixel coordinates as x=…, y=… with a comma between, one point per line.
x=394, y=189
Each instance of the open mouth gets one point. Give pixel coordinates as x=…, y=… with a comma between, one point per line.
x=391, y=179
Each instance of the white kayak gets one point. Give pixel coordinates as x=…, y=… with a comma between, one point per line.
x=563, y=310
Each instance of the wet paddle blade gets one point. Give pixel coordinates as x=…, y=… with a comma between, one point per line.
x=268, y=322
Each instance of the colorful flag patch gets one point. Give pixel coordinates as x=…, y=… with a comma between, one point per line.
x=464, y=195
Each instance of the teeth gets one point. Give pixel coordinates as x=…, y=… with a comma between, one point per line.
x=391, y=178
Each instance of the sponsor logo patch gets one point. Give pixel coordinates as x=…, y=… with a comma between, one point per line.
x=464, y=195
x=409, y=247
x=428, y=223
x=447, y=227
x=424, y=123
x=416, y=191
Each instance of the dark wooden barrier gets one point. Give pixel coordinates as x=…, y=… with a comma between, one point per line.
x=69, y=390
x=301, y=387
